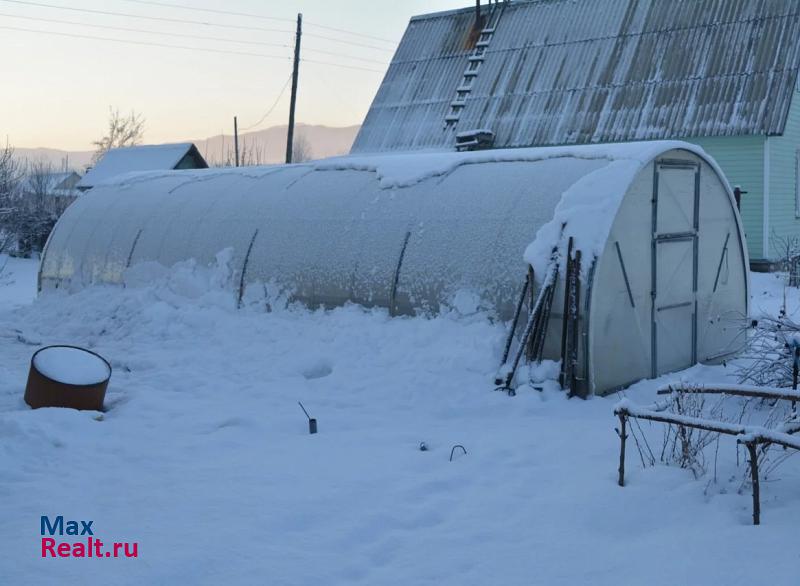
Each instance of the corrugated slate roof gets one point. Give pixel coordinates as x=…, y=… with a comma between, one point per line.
x=587, y=71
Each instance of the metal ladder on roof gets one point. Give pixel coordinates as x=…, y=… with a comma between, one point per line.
x=474, y=64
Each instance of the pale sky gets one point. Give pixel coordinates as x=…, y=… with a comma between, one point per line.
x=56, y=90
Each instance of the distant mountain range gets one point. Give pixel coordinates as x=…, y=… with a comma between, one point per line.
x=262, y=146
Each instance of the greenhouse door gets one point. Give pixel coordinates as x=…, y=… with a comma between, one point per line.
x=674, y=278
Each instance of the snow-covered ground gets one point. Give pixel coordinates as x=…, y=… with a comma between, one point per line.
x=203, y=456
x=17, y=281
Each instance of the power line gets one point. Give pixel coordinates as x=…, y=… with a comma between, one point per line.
x=332, y=64
x=272, y=108
x=187, y=48
x=335, y=40
x=344, y=56
x=261, y=16
x=155, y=18
x=146, y=43
x=182, y=21
x=210, y=10
x=345, y=31
x=186, y=36
x=138, y=30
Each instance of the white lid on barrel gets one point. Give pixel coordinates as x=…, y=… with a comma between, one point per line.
x=72, y=366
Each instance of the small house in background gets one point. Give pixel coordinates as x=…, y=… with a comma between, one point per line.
x=45, y=195
x=58, y=188
x=722, y=74
x=157, y=157
x=64, y=181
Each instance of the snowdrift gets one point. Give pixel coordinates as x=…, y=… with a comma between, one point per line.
x=418, y=233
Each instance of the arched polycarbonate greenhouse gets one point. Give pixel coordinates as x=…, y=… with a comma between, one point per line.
x=664, y=279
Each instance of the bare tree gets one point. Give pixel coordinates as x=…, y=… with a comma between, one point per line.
x=38, y=188
x=39, y=207
x=788, y=250
x=29, y=204
x=42, y=190
x=251, y=154
x=11, y=175
x=301, y=149
x=122, y=131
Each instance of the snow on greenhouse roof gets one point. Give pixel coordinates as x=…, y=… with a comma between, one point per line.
x=585, y=209
x=142, y=158
x=405, y=169
x=556, y=72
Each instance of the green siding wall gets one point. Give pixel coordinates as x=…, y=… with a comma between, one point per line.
x=783, y=180
x=742, y=160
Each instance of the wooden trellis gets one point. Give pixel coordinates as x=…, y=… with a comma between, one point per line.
x=749, y=436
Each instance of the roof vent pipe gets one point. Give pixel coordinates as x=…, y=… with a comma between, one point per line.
x=477, y=14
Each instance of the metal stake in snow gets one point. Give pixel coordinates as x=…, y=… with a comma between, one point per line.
x=453, y=451
x=312, y=423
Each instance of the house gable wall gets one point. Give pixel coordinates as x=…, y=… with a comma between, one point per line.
x=783, y=181
x=742, y=160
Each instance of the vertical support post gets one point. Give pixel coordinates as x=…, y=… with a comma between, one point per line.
x=243, y=276
x=654, y=276
x=396, y=282
x=133, y=247
x=751, y=448
x=623, y=435
x=531, y=292
x=295, y=75
x=514, y=323
x=737, y=195
x=575, y=304
x=531, y=300
x=795, y=370
x=540, y=328
x=562, y=378
x=236, y=139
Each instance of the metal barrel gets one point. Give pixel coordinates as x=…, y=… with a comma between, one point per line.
x=43, y=391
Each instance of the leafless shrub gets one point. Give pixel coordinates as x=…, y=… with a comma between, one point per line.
x=788, y=250
x=773, y=346
x=684, y=446
x=301, y=151
x=769, y=357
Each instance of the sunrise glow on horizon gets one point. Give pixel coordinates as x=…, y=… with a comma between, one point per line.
x=71, y=61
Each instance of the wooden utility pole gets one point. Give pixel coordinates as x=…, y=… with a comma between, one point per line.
x=236, y=139
x=295, y=74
